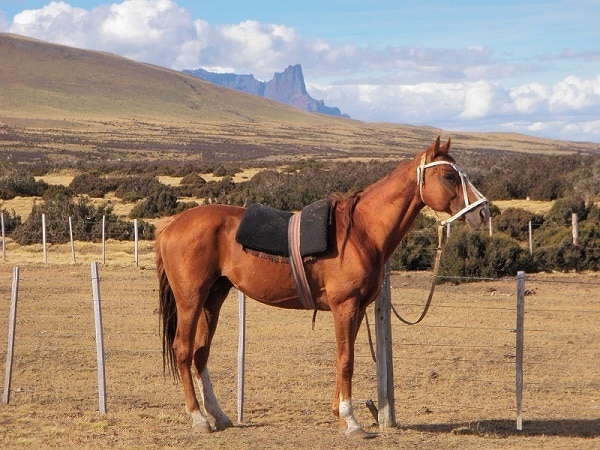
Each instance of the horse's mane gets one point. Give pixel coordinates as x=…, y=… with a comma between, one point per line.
x=345, y=204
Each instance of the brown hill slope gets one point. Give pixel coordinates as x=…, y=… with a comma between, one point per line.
x=62, y=105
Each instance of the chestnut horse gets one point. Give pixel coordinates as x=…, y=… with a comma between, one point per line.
x=199, y=260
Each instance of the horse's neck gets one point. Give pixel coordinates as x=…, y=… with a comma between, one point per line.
x=388, y=208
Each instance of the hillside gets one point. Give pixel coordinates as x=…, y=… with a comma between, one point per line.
x=64, y=106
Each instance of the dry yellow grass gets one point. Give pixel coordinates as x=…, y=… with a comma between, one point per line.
x=20, y=205
x=533, y=206
x=454, y=373
x=241, y=176
x=61, y=178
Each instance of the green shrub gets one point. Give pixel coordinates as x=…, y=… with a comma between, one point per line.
x=470, y=254
x=21, y=183
x=515, y=223
x=132, y=189
x=562, y=210
x=86, y=222
x=159, y=204
x=11, y=221
x=417, y=250
x=192, y=179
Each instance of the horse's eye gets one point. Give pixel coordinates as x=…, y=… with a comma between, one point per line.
x=449, y=176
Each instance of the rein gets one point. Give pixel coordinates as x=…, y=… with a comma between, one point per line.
x=436, y=270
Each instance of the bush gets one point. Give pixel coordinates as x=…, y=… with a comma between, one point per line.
x=417, y=250
x=469, y=254
x=515, y=223
x=562, y=210
x=554, y=249
x=11, y=221
x=21, y=183
x=86, y=222
x=92, y=184
x=192, y=179
x=159, y=204
x=132, y=189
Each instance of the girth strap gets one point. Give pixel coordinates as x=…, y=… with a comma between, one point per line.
x=302, y=287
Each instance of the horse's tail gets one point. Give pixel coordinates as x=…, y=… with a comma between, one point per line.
x=167, y=312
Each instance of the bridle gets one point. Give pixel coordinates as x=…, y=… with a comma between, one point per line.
x=466, y=184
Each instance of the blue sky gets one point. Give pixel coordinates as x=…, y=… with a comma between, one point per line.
x=527, y=66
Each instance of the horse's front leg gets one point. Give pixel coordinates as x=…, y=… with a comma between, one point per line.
x=346, y=322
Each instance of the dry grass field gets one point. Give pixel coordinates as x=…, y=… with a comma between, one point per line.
x=454, y=373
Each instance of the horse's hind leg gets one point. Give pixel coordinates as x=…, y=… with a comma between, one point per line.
x=207, y=325
x=210, y=403
x=183, y=345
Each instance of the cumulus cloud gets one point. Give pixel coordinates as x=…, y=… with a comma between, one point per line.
x=554, y=110
x=451, y=88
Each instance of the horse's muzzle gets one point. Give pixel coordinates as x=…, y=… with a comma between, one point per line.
x=479, y=217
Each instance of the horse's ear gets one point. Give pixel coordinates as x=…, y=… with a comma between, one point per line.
x=435, y=149
x=440, y=150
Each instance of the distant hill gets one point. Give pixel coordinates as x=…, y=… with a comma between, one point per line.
x=286, y=87
x=65, y=106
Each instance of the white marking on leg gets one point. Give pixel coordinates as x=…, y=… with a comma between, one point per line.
x=347, y=414
x=200, y=423
x=210, y=402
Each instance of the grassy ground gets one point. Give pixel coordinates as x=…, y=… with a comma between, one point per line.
x=454, y=373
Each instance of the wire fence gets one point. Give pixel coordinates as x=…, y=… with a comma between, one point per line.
x=456, y=366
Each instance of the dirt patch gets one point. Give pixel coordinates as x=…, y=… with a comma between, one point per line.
x=454, y=373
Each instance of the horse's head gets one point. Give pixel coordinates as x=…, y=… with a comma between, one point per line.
x=445, y=187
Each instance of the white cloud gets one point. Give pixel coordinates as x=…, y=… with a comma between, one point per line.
x=55, y=22
x=483, y=106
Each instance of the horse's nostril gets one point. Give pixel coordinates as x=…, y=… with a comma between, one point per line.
x=484, y=214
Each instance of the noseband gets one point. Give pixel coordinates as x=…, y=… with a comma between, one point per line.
x=464, y=181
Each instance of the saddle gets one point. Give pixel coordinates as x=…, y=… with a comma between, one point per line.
x=265, y=229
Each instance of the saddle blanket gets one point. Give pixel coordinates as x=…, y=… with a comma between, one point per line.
x=265, y=229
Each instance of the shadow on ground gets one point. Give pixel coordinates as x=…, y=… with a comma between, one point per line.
x=583, y=428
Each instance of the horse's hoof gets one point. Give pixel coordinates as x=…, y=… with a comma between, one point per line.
x=201, y=428
x=223, y=424
x=359, y=433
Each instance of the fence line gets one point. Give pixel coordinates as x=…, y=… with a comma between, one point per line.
x=530, y=310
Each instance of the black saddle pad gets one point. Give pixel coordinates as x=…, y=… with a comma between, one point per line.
x=265, y=229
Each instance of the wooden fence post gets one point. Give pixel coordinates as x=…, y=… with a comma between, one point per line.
x=575, y=224
x=241, y=356
x=45, y=250
x=3, y=236
x=519, y=347
x=530, y=238
x=71, y=239
x=103, y=240
x=11, y=335
x=383, y=354
x=135, y=245
x=99, y=339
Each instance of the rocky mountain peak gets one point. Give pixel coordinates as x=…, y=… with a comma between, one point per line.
x=286, y=87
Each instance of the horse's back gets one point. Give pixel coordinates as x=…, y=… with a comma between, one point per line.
x=201, y=218
x=196, y=230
